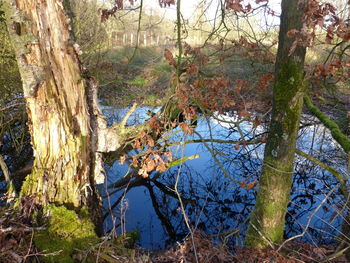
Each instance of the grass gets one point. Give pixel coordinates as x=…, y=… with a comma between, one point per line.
x=146, y=78
x=123, y=80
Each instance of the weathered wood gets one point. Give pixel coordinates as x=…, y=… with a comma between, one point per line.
x=63, y=115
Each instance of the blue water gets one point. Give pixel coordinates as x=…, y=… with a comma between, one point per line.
x=213, y=199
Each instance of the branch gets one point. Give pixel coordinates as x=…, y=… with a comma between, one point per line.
x=334, y=172
x=226, y=174
x=250, y=142
x=337, y=134
x=119, y=136
x=126, y=179
x=127, y=116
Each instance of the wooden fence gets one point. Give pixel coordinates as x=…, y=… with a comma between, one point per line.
x=146, y=39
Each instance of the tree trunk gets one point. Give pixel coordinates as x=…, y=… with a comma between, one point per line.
x=267, y=221
x=62, y=117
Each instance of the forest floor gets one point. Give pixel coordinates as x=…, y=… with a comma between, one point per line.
x=17, y=246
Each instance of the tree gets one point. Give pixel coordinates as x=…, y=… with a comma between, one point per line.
x=68, y=132
x=268, y=217
x=57, y=105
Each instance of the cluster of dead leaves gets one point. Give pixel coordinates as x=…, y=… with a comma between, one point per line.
x=169, y=57
x=336, y=71
x=154, y=160
x=245, y=48
x=238, y=6
x=303, y=252
x=218, y=93
x=165, y=3
x=118, y=5
x=265, y=81
x=319, y=15
x=246, y=255
x=315, y=15
x=249, y=185
x=336, y=68
x=151, y=159
x=294, y=252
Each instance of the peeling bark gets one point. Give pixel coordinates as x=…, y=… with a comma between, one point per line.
x=55, y=94
x=69, y=133
x=65, y=121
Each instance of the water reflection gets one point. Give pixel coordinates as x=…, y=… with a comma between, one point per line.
x=211, y=187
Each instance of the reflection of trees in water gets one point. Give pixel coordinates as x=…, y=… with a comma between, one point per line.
x=220, y=207
x=312, y=184
x=217, y=207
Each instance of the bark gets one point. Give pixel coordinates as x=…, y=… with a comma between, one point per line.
x=267, y=221
x=67, y=129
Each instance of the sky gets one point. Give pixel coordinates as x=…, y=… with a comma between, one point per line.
x=188, y=7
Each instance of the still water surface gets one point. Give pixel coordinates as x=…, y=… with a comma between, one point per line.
x=212, y=199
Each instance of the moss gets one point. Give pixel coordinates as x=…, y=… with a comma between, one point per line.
x=31, y=183
x=286, y=100
x=268, y=217
x=337, y=134
x=270, y=208
x=65, y=232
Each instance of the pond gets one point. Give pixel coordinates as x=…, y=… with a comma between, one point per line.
x=216, y=197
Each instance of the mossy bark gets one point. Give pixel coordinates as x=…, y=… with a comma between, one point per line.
x=267, y=221
x=58, y=106
x=334, y=128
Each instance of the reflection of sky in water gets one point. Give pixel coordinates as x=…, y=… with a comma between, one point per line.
x=221, y=205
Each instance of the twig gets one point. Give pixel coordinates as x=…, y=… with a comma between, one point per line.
x=26, y=229
x=309, y=220
x=10, y=187
x=137, y=33
x=30, y=246
x=262, y=236
x=226, y=174
x=11, y=106
x=183, y=208
x=334, y=255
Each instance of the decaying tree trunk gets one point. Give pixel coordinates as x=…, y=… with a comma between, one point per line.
x=267, y=221
x=68, y=131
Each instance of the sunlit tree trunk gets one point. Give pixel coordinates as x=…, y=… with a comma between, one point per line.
x=267, y=221
x=62, y=117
